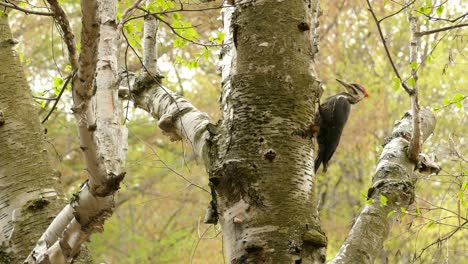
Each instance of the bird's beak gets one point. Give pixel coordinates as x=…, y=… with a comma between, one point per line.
x=347, y=86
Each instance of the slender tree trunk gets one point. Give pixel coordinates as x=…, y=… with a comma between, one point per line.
x=103, y=138
x=392, y=189
x=29, y=188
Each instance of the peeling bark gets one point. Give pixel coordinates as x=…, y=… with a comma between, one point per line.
x=103, y=139
x=178, y=119
x=393, y=179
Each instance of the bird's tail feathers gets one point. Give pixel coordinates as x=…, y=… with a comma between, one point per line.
x=318, y=160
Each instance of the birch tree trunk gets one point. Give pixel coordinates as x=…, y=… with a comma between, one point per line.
x=260, y=156
x=29, y=187
x=263, y=172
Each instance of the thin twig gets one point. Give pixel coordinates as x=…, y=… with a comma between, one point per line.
x=382, y=38
x=184, y=38
x=428, y=32
x=45, y=98
x=445, y=237
x=431, y=18
x=126, y=14
x=67, y=80
x=68, y=36
x=26, y=11
x=397, y=12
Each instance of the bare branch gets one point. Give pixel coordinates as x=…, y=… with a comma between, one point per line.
x=57, y=99
x=382, y=38
x=126, y=13
x=397, y=12
x=68, y=37
x=431, y=18
x=428, y=32
x=440, y=239
x=26, y=11
x=415, y=143
x=83, y=84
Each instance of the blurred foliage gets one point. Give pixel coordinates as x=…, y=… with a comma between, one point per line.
x=161, y=204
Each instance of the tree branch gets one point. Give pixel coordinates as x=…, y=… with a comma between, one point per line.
x=67, y=80
x=178, y=118
x=428, y=32
x=415, y=143
x=68, y=37
x=382, y=38
x=26, y=11
x=397, y=12
x=102, y=138
x=150, y=30
x=392, y=180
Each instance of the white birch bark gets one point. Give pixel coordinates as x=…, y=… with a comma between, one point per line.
x=29, y=187
x=150, y=30
x=103, y=139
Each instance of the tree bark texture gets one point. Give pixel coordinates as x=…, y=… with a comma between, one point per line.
x=262, y=167
x=103, y=139
x=29, y=196
x=260, y=155
x=392, y=180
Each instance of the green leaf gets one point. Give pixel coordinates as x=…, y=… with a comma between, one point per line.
x=464, y=186
x=391, y=213
x=193, y=64
x=414, y=65
x=418, y=211
x=176, y=16
x=403, y=212
x=458, y=97
x=439, y=10
x=429, y=58
x=411, y=81
x=57, y=85
x=220, y=38
x=369, y=201
x=431, y=223
x=383, y=200
x=425, y=10
x=179, y=42
x=460, y=195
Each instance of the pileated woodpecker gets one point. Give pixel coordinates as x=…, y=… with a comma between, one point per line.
x=332, y=117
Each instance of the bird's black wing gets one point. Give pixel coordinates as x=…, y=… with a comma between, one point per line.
x=334, y=113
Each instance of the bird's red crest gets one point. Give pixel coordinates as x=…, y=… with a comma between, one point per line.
x=364, y=90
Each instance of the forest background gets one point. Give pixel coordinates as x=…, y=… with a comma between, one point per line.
x=162, y=201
